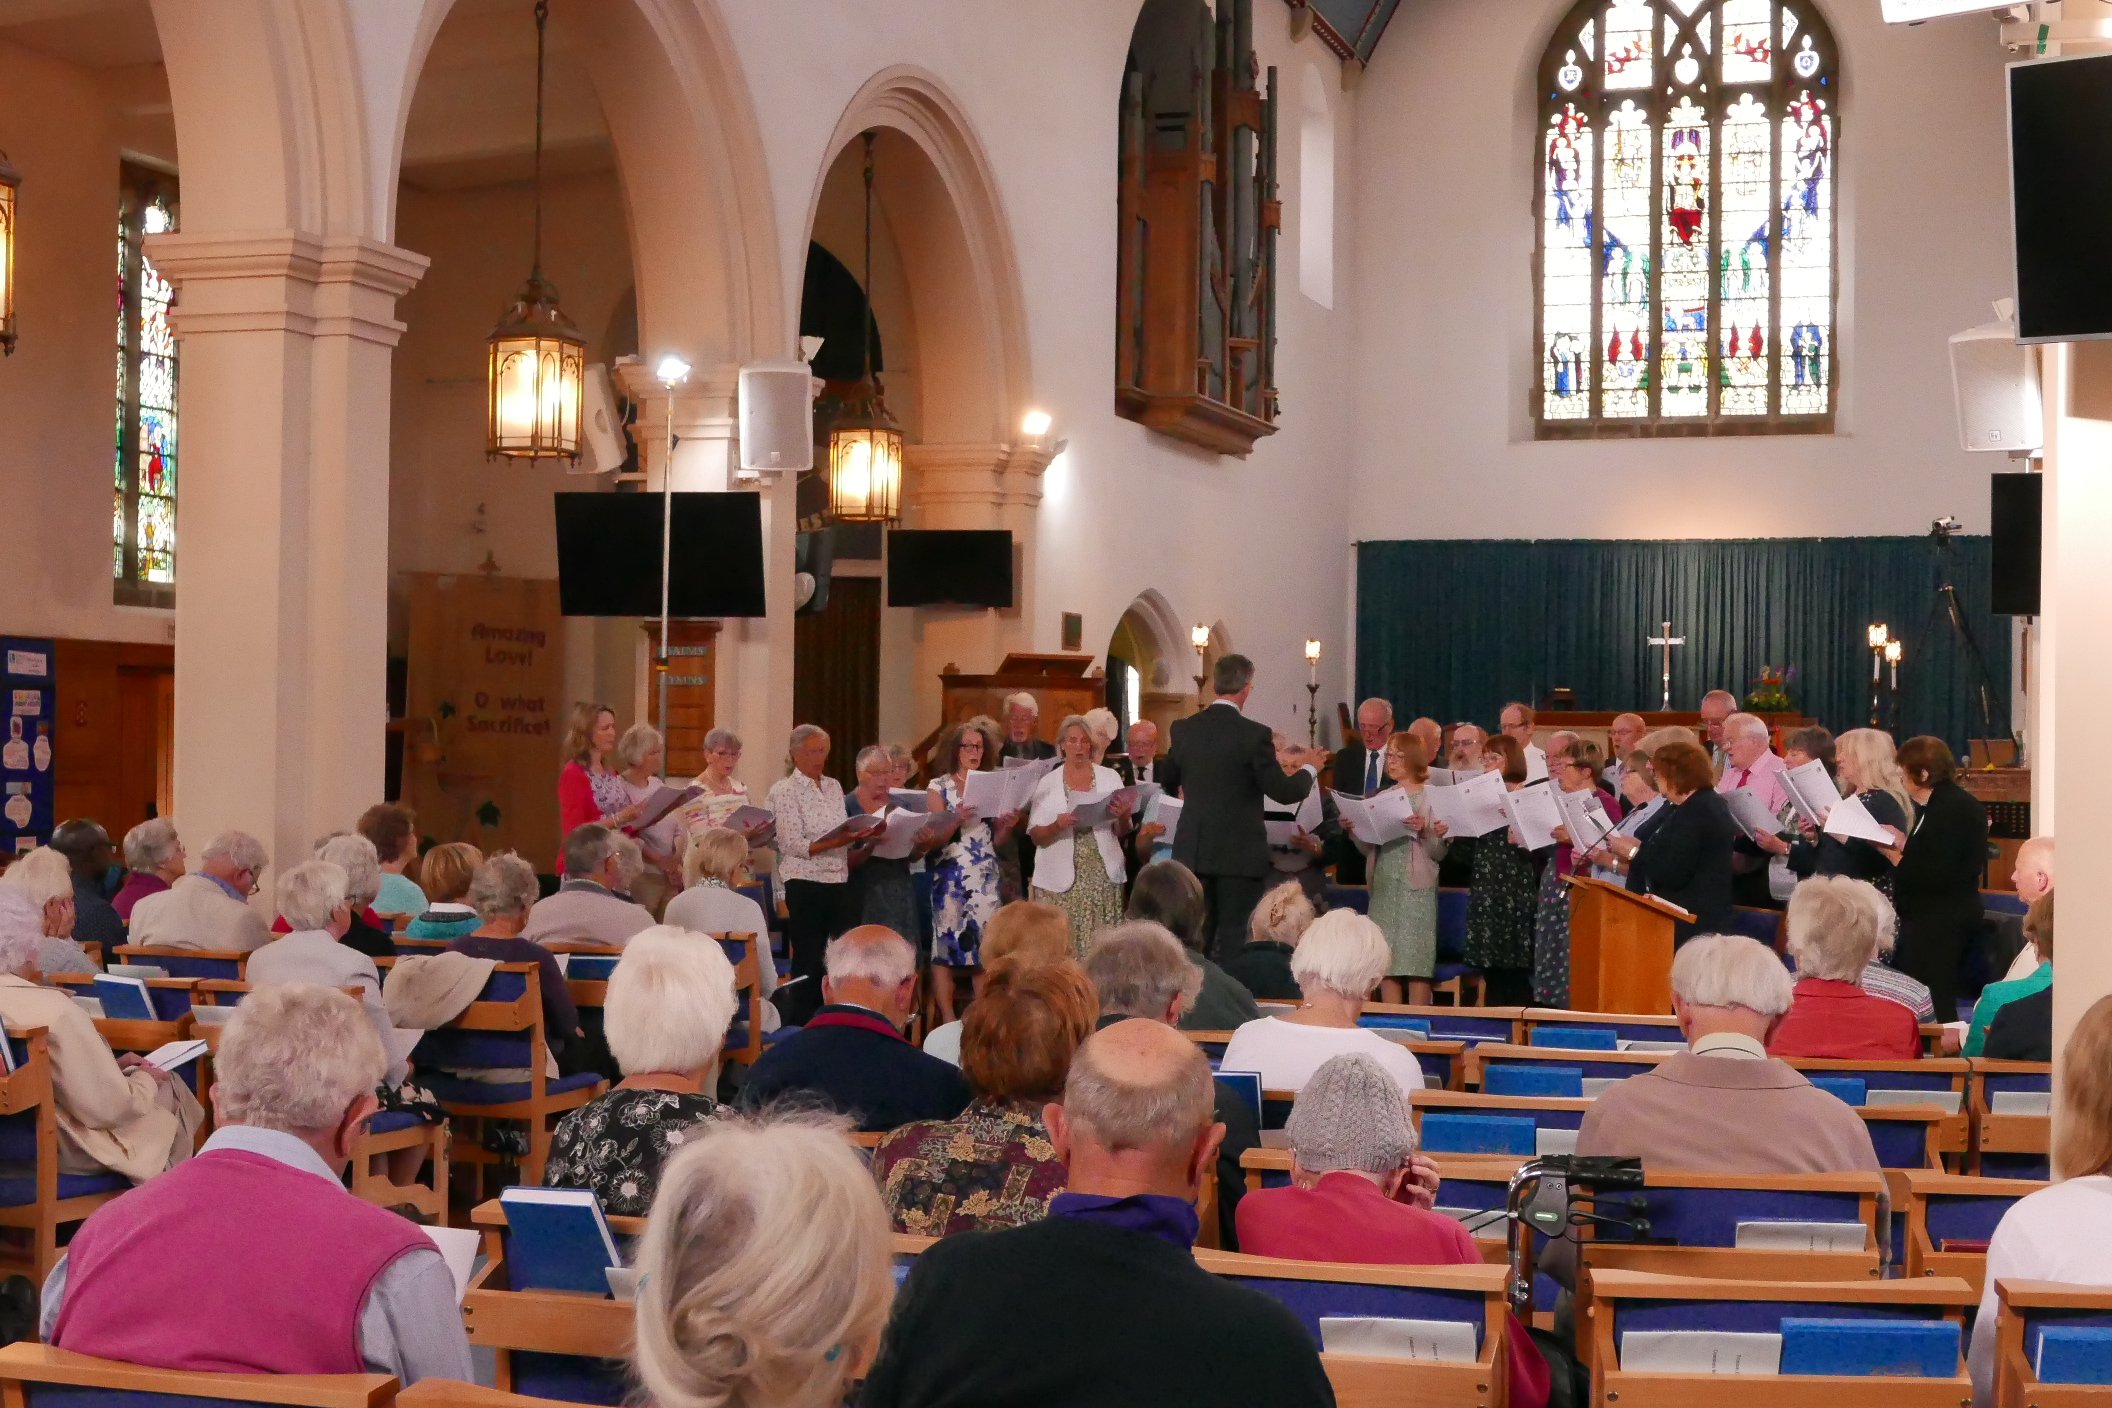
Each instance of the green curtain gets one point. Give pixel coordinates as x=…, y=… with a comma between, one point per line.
x=1454, y=629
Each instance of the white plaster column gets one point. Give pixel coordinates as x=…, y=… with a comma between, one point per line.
x=282, y=607
x=2078, y=598
x=753, y=694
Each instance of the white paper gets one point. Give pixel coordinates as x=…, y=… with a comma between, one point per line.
x=857, y=828
x=623, y=1282
x=986, y=793
x=1533, y=811
x=1549, y=1142
x=2020, y=1102
x=1588, y=826
x=1650, y=1046
x=745, y=818
x=1851, y=820
x=909, y=799
x=1433, y=1341
x=1700, y=1352
x=1811, y=791
x=1378, y=819
x=1948, y=1101
x=1471, y=807
x=1595, y=1086
x=1164, y=811
x=1098, y=808
x=91, y=1005
x=1752, y=814
x=458, y=1248
x=1442, y=777
x=1799, y=1236
x=903, y=828
x=171, y=1054
x=211, y=1016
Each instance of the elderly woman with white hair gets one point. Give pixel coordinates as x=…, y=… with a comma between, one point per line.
x=36, y=905
x=766, y=1271
x=1352, y=1196
x=716, y=866
x=361, y=861
x=115, y=1113
x=1837, y=927
x=813, y=859
x=884, y=893
x=670, y=1003
x=640, y=755
x=1079, y=868
x=723, y=793
x=1338, y=962
x=154, y=860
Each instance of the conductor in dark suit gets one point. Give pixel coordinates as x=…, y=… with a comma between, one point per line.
x=1223, y=766
x=1686, y=857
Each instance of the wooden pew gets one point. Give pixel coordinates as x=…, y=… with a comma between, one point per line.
x=524, y=1328
x=1443, y=1060
x=29, y=1131
x=1941, y=1207
x=2009, y=1145
x=1685, y=1302
x=27, y=1370
x=2020, y=1305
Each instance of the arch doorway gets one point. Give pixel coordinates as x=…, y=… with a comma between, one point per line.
x=1150, y=664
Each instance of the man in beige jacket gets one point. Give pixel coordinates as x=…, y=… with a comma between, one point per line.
x=116, y=1114
x=209, y=908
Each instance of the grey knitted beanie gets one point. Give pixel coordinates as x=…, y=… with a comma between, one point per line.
x=1351, y=1115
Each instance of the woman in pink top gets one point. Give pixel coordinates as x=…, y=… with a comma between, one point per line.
x=587, y=788
x=1351, y=1146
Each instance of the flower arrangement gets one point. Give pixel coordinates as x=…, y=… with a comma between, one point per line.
x=1770, y=691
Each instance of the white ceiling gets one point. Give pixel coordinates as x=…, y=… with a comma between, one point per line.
x=472, y=117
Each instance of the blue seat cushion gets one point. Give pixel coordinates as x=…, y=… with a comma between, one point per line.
x=19, y=1190
x=389, y=1121
x=459, y=1090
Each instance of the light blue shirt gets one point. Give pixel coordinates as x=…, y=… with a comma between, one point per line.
x=410, y=1325
x=232, y=893
x=399, y=896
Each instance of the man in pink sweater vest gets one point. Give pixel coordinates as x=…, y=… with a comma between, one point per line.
x=252, y=1258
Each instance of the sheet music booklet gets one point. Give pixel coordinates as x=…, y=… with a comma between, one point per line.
x=1284, y=825
x=662, y=800
x=1811, y=791
x=1535, y=813
x=1378, y=819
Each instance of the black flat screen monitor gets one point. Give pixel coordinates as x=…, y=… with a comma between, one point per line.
x=608, y=555
x=2060, y=170
x=927, y=567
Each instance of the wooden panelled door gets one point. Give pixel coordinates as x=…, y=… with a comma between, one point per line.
x=836, y=672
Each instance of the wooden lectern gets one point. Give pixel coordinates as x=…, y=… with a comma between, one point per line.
x=1620, y=948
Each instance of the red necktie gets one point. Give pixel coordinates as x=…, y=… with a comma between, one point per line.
x=1743, y=774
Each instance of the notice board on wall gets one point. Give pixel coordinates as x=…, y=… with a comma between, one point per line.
x=29, y=679
x=485, y=712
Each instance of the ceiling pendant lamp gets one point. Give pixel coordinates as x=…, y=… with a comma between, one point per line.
x=865, y=444
x=10, y=183
x=535, y=380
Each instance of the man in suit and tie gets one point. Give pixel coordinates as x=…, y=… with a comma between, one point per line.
x=1360, y=771
x=1223, y=766
x=1139, y=764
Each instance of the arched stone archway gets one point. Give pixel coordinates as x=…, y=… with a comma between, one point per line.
x=1150, y=640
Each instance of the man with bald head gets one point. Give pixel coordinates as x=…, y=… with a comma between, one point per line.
x=2032, y=879
x=1716, y=706
x=851, y=1056
x=1431, y=734
x=1102, y=1303
x=1622, y=735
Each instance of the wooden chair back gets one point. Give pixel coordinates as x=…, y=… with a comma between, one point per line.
x=188, y=962
x=28, y=1371
x=1950, y=1219
x=2024, y=1307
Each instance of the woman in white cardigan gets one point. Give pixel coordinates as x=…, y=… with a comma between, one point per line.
x=1078, y=869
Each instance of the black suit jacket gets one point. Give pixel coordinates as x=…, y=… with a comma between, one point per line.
x=1940, y=872
x=1223, y=764
x=1686, y=858
x=1351, y=760
x=2022, y=1030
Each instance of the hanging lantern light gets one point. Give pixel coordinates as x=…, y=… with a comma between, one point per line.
x=535, y=379
x=10, y=182
x=865, y=444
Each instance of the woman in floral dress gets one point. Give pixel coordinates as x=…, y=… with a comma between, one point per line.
x=1404, y=881
x=964, y=869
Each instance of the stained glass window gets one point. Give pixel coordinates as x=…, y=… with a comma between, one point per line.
x=143, y=501
x=1687, y=250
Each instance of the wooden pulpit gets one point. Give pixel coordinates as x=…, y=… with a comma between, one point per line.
x=1620, y=948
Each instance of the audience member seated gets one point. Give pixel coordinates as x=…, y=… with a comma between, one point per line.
x=116, y=1114
x=1881, y=979
x=586, y=908
x=2003, y=1008
x=445, y=875
x=209, y=908
x=36, y=904
x=670, y=1002
x=394, y=832
x=2059, y=1233
x=2011, y=952
x=1167, y=893
x=252, y=1258
x=994, y=1166
x=1338, y=962
x=1025, y=933
x=1723, y=1105
x=716, y=863
x=1354, y=1198
x=1141, y=970
x=1263, y=964
x=851, y=1055
x=1836, y=928
x=153, y=861
x=765, y=1273
x=88, y=851
x=503, y=894
x=315, y=900
x=355, y=855
x=1102, y=1301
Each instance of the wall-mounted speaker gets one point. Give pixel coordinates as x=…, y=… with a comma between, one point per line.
x=2019, y=506
x=777, y=417
x=1997, y=385
x=604, y=448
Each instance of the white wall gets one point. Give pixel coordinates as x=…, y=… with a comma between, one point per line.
x=1257, y=543
x=56, y=390
x=1446, y=164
